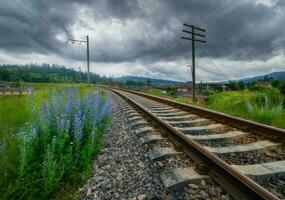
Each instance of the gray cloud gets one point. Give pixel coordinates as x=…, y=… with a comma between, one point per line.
x=143, y=31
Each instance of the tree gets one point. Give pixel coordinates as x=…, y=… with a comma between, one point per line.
x=240, y=85
x=232, y=85
x=282, y=88
x=275, y=83
x=172, y=91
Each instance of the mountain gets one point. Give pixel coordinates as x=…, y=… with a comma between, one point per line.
x=145, y=80
x=275, y=75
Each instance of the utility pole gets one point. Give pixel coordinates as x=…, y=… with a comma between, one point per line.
x=148, y=81
x=193, y=34
x=79, y=75
x=88, y=66
x=87, y=49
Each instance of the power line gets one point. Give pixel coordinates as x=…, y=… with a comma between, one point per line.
x=215, y=64
x=42, y=21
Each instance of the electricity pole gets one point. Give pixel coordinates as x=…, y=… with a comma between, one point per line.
x=148, y=81
x=88, y=66
x=79, y=75
x=87, y=49
x=193, y=34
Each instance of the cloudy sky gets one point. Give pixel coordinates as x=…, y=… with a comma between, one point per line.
x=142, y=37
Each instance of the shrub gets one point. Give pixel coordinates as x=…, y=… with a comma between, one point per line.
x=282, y=88
x=263, y=105
x=58, y=145
x=171, y=91
x=258, y=87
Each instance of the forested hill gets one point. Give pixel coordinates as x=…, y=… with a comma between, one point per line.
x=44, y=73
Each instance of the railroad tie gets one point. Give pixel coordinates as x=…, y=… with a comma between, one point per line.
x=176, y=179
x=138, y=123
x=161, y=153
x=260, y=172
x=258, y=146
x=164, y=111
x=166, y=108
x=191, y=122
x=152, y=138
x=171, y=114
x=144, y=130
x=134, y=114
x=135, y=118
x=130, y=111
x=175, y=118
x=222, y=136
x=201, y=129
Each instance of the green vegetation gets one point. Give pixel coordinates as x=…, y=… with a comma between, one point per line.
x=49, y=139
x=260, y=103
x=172, y=91
x=184, y=100
x=16, y=108
x=46, y=73
x=159, y=93
x=236, y=85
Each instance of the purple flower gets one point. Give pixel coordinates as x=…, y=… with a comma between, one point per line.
x=105, y=109
x=78, y=122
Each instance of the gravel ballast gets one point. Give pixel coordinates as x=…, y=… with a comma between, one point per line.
x=123, y=169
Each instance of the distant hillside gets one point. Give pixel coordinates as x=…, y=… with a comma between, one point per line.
x=44, y=73
x=275, y=75
x=144, y=80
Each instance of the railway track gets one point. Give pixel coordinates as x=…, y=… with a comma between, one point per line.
x=246, y=158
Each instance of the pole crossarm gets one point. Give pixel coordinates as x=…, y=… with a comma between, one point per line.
x=87, y=54
x=74, y=40
x=192, y=26
x=185, y=31
x=196, y=40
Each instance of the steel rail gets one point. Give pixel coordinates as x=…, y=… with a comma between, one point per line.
x=236, y=183
x=269, y=132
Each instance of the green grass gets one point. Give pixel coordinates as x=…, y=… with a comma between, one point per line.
x=16, y=111
x=15, y=114
x=260, y=106
x=184, y=100
x=159, y=93
x=263, y=105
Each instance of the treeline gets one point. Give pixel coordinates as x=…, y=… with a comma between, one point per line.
x=45, y=73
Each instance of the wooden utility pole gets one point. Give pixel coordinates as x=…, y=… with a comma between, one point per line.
x=193, y=39
x=79, y=75
x=88, y=66
x=87, y=52
x=148, y=81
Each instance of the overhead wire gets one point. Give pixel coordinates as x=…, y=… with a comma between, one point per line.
x=30, y=11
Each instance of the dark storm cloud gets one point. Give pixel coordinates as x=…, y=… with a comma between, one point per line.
x=235, y=29
x=32, y=26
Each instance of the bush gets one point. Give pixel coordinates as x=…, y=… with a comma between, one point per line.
x=171, y=91
x=263, y=105
x=275, y=83
x=58, y=146
x=282, y=88
x=258, y=87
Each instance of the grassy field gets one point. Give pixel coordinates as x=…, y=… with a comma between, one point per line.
x=260, y=106
x=264, y=105
x=37, y=150
x=16, y=108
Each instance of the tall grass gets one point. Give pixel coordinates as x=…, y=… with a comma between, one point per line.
x=55, y=146
x=264, y=106
x=261, y=104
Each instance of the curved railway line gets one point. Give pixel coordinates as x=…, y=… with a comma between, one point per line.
x=246, y=158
